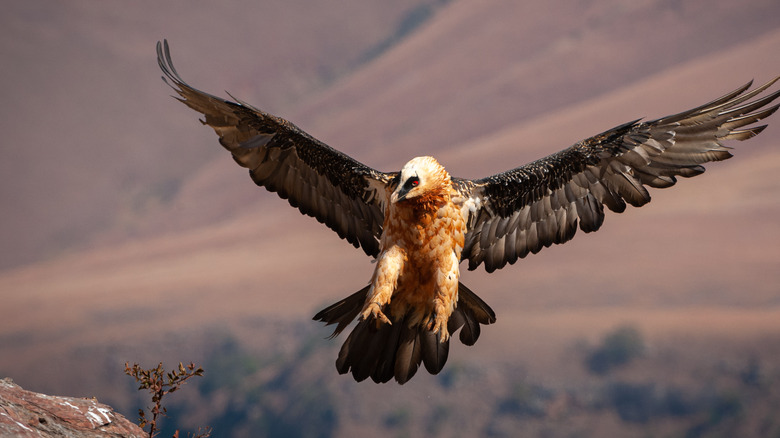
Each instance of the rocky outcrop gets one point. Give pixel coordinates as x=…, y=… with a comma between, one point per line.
x=29, y=414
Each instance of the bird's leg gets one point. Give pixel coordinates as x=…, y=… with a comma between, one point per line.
x=388, y=269
x=442, y=311
x=374, y=308
x=446, y=296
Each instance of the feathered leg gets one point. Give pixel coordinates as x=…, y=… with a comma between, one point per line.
x=388, y=269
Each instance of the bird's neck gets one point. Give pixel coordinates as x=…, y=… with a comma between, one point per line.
x=424, y=208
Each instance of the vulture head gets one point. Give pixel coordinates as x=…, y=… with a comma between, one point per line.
x=421, y=178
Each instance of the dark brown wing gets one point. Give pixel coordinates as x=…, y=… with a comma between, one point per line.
x=320, y=181
x=541, y=203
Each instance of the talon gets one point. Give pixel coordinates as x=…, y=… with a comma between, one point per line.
x=438, y=325
x=373, y=309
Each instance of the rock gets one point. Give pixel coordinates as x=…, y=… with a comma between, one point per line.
x=29, y=414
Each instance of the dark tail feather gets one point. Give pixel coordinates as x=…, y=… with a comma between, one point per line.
x=470, y=313
x=395, y=351
x=434, y=352
x=385, y=368
x=407, y=355
x=380, y=352
x=343, y=312
x=361, y=351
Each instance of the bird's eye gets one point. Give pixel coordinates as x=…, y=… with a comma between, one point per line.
x=414, y=182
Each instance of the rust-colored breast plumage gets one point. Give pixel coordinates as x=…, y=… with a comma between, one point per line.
x=430, y=232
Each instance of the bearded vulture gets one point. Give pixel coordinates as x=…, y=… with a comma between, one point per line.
x=421, y=223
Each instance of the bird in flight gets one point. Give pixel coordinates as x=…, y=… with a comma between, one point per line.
x=420, y=223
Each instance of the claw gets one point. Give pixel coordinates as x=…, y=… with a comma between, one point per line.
x=373, y=309
x=438, y=324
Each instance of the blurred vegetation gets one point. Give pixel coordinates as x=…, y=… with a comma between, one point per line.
x=524, y=400
x=290, y=389
x=261, y=395
x=618, y=348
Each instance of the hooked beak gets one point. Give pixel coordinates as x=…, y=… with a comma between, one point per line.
x=399, y=194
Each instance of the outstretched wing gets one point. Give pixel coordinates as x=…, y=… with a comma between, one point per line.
x=320, y=181
x=541, y=203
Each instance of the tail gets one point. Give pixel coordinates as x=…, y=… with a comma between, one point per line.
x=386, y=351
